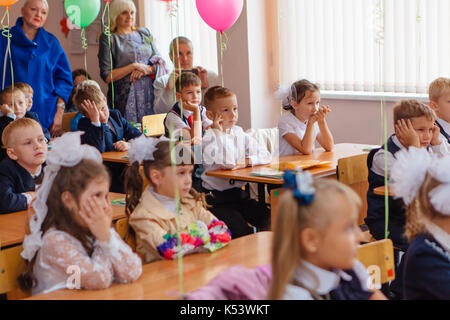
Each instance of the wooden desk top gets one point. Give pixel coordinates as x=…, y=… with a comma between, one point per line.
x=159, y=279
x=115, y=156
x=381, y=190
x=341, y=150
x=12, y=225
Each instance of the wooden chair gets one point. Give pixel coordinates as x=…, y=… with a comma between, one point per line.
x=378, y=258
x=67, y=118
x=353, y=172
x=12, y=265
x=153, y=125
x=122, y=228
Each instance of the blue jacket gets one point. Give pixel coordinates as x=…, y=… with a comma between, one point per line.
x=42, y=64
x=102, y=137
x=14, y=180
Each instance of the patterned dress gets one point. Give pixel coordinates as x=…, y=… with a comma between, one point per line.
x=133, y=100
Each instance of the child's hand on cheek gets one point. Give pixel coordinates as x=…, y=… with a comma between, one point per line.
x=189, y=106
x=217, y=122
x=6, y=109
x=97, y=218
x=91, y=110
x=121, y=146
x=406, y=134
x=435, y=140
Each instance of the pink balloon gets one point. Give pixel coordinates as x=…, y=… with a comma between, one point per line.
x=219, y=14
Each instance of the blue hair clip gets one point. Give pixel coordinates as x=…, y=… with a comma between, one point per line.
x=301, y=184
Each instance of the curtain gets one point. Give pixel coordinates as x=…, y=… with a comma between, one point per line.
x=365, y=45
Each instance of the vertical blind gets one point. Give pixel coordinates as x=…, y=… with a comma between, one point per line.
x=365, y=45
x=187, y=22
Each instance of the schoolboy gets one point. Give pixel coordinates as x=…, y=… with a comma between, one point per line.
x=26, y=149
x=439, y=96
x=227, y=146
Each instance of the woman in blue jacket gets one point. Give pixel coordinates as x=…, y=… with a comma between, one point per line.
x=39, y=60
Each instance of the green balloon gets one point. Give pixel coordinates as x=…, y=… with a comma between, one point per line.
x=82, y=12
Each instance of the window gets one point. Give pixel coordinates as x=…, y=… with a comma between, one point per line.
x=365, y=45
x=190, y=25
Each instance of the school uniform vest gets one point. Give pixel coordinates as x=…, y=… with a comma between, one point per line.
x=445, y=134
x=198, y=168
x=375, y=219
x=188, y=121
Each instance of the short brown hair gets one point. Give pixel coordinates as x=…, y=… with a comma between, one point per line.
x=214, y=93
x=438, y=87
x=9, y=130
x=8, y=91
x=87, y=90
x=186, y=79
x=24, y=87
x=407, y=109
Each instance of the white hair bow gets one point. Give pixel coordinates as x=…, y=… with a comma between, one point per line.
x=142, y=148
x=409, y=171
x=67, y=151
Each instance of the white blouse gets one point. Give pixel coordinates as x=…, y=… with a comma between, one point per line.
x=61, y=255
x=289, y=123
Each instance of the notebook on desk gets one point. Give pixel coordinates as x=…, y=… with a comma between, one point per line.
x=268, y=173
x=298, y=164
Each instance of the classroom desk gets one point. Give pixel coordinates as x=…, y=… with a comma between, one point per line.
x=115, y=156
x=159, y=280
x=341, y=150
x=12, y=225
x=381, y=190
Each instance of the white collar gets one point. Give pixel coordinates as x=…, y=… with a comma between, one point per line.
x=327, y=280
x=167, y=202
x=444, y=124
x=38, y=172
x=438, y=233
x=300, y=121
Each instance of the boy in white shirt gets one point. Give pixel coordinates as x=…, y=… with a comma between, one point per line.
x=439, y=95
x=227, y=146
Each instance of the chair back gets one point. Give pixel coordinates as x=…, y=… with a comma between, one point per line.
x=153, y=125
x=353, y=172
x=378, y=258
x=12, y=265
x=122, y=228
x=66, y=119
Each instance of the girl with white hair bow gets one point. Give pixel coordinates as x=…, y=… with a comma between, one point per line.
x=423, y=182
x=72, y=244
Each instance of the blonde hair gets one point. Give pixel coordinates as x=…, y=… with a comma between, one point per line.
x=117, y=7
x=9, y=90
x=421, y=208
x=437, y=88
x=43, y=1
x=24, y=87
x=292, y=220
x=407, y=109
x=13, y=127
x=87, y=90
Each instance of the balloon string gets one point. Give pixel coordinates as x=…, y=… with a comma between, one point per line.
x=85, y=46
x=222, y=49
x=107, y=31
x=7, y=34
x=172, y=12
x=379, y=38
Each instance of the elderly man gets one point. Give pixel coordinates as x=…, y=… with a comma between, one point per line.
x=182, y=55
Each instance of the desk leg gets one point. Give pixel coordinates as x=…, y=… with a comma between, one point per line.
x=261, y=192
